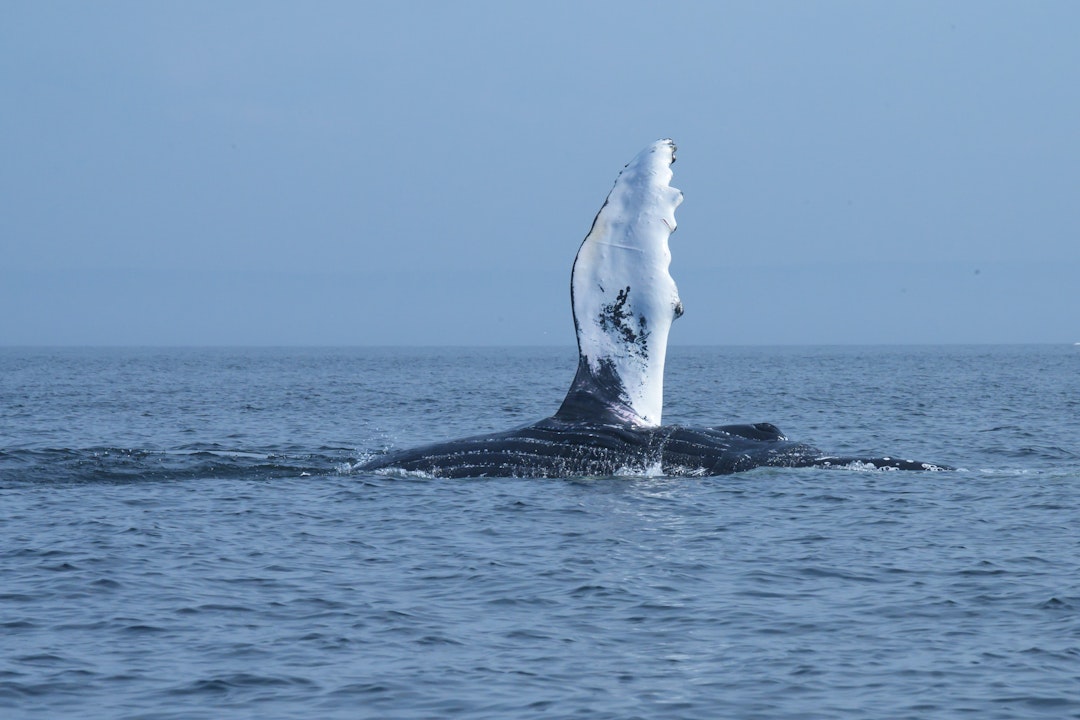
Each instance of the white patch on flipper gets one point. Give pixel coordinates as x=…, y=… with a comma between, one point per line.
x=624, y=299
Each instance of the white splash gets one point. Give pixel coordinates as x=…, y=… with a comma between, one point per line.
x=624, y=299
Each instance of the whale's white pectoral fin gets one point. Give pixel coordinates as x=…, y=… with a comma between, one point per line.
x=623, y=297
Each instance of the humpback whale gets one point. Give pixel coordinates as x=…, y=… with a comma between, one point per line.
x=624, y=301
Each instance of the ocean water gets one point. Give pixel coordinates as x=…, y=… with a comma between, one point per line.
x=184, y=534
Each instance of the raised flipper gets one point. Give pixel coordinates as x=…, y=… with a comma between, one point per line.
x=624, y=300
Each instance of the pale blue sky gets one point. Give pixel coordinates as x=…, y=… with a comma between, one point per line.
x=423, y=173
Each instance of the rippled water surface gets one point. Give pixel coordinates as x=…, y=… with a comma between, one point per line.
x=183, y=535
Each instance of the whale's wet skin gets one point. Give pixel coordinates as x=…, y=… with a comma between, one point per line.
x=624, y=302
x=557, y=448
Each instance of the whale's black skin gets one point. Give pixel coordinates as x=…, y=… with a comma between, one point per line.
x=624, y=301
x=555, y=447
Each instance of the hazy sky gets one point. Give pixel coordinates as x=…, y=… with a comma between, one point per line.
x=423, y=172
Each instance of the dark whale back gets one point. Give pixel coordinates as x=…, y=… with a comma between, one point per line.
x=558, y=448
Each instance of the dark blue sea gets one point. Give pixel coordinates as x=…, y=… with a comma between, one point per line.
x=184, y=534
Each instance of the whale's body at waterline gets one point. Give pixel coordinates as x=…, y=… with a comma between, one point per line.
x=624, y=301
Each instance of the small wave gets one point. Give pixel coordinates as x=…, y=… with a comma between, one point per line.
x=238, y=681
x=686, y=471
x=353, y=465
x=388, y=472
x=653, y=470
x=120, y=465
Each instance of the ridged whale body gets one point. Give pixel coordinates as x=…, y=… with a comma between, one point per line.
x=624, y=301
